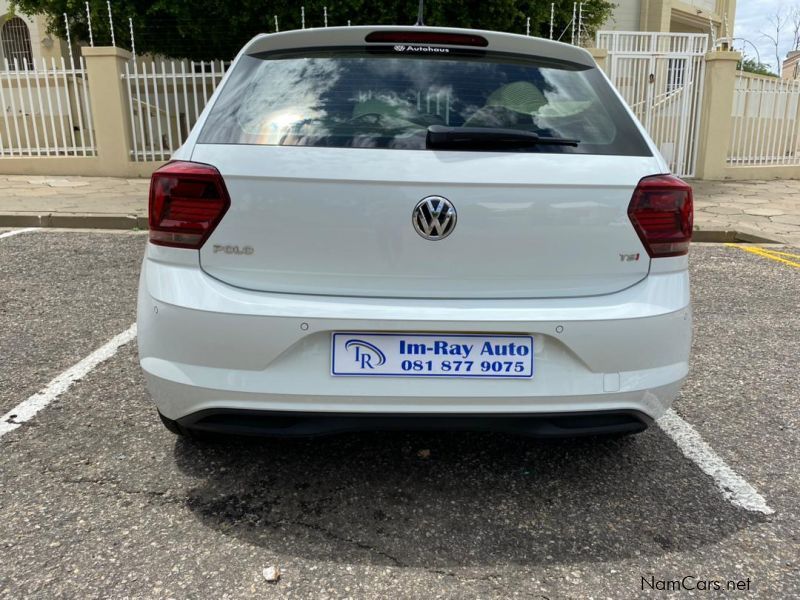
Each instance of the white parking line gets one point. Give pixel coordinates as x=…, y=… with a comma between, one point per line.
x=26, y=409
x=18, y=231
x=733, y=487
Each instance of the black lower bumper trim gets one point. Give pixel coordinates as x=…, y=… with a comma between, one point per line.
x=304, y=424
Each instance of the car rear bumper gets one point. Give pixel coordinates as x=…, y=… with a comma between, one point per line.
x=299, y=424
x=211, y=349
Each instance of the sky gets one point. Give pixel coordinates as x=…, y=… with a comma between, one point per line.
x=752, y=19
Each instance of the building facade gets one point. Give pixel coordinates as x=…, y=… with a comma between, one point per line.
x=790, y=69
x=688, y=16
x=25, y=39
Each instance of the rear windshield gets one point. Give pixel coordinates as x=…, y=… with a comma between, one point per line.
x=359, y=98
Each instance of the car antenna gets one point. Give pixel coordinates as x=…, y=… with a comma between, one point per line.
x=419, y=13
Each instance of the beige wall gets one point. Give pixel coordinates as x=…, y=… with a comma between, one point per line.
x=89, y=166
x=718, y=124
x=110, y=111
x=626, y=16
x=673, y=15
x=716, y=109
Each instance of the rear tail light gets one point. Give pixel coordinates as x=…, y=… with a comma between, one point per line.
x=187, y=201
x=427, y=37
x=662, y=213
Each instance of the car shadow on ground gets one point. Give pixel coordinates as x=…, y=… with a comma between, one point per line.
x=457, y=499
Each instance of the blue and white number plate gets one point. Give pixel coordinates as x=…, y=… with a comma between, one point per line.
x=432, y=355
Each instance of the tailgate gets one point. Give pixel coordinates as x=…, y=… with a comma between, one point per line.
x=339, y=221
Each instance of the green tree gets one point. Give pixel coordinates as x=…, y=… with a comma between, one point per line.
x=209, y=29
x=751, y=65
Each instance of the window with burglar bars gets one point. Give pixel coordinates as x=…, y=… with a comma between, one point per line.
x=676, y=68
x=16, y=41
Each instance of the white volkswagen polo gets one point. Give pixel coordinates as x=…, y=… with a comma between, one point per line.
x=388, y=227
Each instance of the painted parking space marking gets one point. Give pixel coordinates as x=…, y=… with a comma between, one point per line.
x=18, y=231
x=733, y=486
x=790, y=254
x=27, y=409
x=772, y=255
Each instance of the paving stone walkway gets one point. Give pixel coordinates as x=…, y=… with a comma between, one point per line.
x=768, y=209
x=24, y=194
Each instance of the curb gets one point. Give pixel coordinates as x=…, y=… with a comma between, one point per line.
x=74, y=221
x=710, y=236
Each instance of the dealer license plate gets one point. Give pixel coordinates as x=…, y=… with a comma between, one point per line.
x=431, y=355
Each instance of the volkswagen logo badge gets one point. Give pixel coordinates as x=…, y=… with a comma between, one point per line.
x=434, y=218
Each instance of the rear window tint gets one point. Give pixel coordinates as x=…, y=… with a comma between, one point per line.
x=372, y=99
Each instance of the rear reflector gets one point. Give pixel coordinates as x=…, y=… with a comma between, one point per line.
x=662, y=213
x=423, y=37
x=187, y=201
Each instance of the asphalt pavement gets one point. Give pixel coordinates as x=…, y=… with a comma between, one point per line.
x=98, y=500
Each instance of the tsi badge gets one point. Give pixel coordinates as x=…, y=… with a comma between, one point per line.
x=366, y=355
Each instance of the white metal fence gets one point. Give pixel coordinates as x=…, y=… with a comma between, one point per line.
x=45, y=110
x=166, y=98
x=638, y=42
x=660, y=75
x=766, y=123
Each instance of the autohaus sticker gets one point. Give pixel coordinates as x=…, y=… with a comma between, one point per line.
x=403, y=48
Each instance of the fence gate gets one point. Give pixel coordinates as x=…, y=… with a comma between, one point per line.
x=660, y=75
